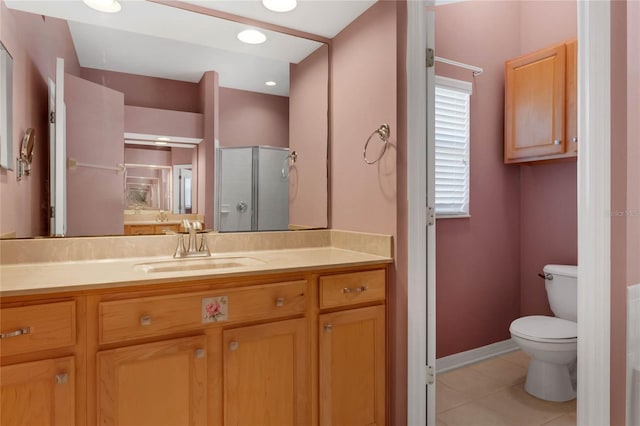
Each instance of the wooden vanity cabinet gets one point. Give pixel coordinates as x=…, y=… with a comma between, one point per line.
x=297, y=348
x=151, y=229
x=541, y=105
x=38, y=379
x=352, y=349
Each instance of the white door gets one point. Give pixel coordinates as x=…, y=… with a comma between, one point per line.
x=182, y=180
x=235, y=189
x=272, y=209
x=421, y=199
x=57, y=157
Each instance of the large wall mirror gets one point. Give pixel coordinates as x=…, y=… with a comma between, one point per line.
x=156, y=98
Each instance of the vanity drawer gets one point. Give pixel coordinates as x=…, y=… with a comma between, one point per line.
x=37, y=327
x=157, y=315
x=352, y=288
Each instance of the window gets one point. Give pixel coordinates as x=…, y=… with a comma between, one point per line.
x=452, y=147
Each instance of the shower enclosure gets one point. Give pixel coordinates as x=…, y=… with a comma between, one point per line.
x=253, y=189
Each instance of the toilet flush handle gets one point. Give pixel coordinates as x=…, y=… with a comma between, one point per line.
x=546, y=276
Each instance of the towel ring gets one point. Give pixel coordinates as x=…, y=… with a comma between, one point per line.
x=383, y=132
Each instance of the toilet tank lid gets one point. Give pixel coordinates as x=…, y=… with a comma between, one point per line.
x=564, y=270
x=539, y=326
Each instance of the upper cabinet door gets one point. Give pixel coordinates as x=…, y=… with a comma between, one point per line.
x=535, y=105
x=571, y=124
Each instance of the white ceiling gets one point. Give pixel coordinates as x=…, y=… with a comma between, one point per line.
x=147, y=38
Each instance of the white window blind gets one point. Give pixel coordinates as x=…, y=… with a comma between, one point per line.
x=452, y=147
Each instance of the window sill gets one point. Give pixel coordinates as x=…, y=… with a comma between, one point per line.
x=453, y=216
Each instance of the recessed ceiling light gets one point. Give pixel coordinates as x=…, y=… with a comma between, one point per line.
x=280, y=5
x=252, y=37
x=270, y=83
x=108, y=6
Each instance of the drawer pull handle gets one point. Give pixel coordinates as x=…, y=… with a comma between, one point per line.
x=233, y=345
x=145, y=320
x=280, y=302
x=557, y=142
x=328, y=328
x=199, y=353
x=355, y=290
x=16, y=333
x=62, y=378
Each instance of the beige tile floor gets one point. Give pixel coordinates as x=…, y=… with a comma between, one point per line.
x=491, y=393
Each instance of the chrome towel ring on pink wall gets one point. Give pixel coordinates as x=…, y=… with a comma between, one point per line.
x=383, y=132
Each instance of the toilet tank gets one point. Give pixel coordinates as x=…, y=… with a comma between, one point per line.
x=562, y=290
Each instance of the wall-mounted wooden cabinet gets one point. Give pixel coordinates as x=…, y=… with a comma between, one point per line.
x=541, y=105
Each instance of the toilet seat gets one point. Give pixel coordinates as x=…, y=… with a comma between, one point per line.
x=545, y=329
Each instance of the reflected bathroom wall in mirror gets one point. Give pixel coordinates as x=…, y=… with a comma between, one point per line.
x=6, y=108
x=179, y=75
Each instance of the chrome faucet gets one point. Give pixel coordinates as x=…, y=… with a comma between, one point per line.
x=195, y=250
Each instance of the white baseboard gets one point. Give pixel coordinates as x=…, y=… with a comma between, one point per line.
x=461, y=359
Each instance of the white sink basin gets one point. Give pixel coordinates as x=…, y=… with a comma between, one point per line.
x=215, y=263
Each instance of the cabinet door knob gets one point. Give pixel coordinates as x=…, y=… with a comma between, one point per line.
x=574, y=139
x=145, y=320
x=280, y=302
x=328, y=328
x=233, y=345
x=62, y=378
x=199, y=353
x=557, y=142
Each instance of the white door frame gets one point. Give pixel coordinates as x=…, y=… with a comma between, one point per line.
x=420, y=193
x=594, y=205
x=594, y=201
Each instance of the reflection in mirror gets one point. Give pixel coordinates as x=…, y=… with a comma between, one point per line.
x=175, y=84
x=6, y=108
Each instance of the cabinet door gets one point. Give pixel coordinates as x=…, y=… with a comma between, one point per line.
x=266, y=374
x=535, y=105
x=153, y=384
x=352, y=367
x=38, y=393
x=571, y=123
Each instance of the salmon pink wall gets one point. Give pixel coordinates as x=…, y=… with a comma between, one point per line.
x=164, y=122
x=549, y=202
x=365, y=82
x=633, y=142
x=363, y=197
x=94, y=135
x=34, y=44
x=149, y=92
x=308, y=137
x=478, y=258
x=251, y=118
x=525, y=214
x=204, y=167
x=153, y=156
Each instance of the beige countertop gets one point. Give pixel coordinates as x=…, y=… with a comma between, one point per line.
x=83, y=275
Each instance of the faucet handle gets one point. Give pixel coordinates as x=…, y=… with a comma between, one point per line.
x=203, y=244
x=180, y=248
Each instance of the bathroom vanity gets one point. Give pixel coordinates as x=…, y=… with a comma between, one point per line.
x=274, y=337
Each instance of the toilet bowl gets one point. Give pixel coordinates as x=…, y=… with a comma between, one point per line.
x=552, y=342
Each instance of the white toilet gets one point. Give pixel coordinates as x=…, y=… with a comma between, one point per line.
x=552, y=342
